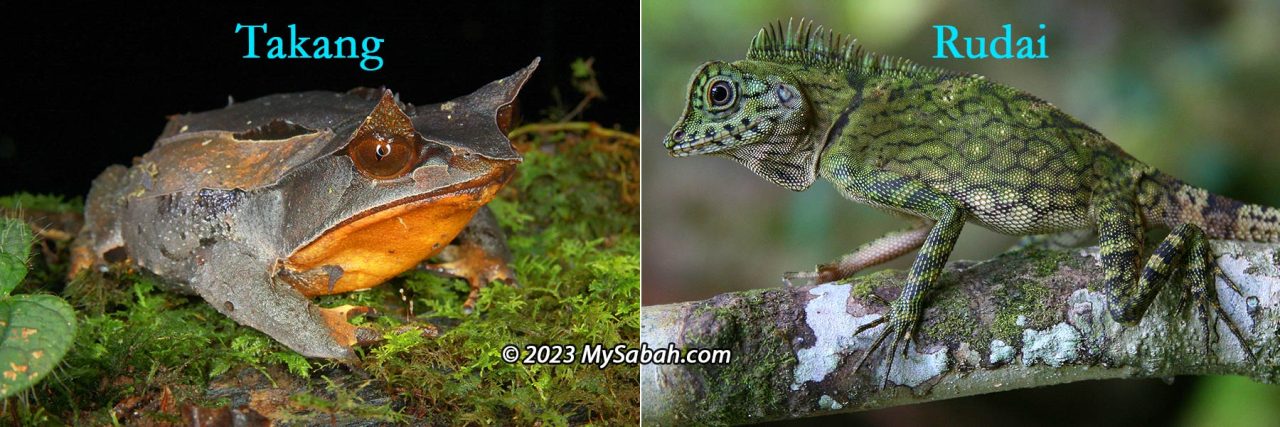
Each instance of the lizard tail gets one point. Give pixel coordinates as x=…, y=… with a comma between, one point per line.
x=1171, y=202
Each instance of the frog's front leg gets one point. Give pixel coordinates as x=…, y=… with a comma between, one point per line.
x=905, y=194
x=876, y=252
x=239, y=283
x=479, y=254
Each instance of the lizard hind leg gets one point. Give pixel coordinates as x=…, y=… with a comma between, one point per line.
x=1186, y=248
x=876, y=252
x=1201, y=270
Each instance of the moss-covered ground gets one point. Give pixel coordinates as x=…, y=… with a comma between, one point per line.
x=571, y=214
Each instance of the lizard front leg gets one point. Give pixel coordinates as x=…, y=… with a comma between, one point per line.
x=875, y=252
x=894, y=191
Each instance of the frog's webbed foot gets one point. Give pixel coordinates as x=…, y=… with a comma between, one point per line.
x=473, y=264
x=479, y=255
x=338, y=320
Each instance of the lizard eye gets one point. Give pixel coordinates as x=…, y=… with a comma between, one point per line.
x=383, y=157
x=720, y=93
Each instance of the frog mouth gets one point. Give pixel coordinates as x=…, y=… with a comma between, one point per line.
x=433, y=185
x=380, y=242
x=437, y=181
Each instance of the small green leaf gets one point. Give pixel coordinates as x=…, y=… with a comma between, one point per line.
x=15, y=237
x=35, y=332
x=12, y=270
x=15, y=244
x=581, y=68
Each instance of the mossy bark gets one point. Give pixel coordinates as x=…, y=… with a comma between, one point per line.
x=1027, y=318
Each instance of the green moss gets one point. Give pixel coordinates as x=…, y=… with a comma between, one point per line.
x=41, y=202
x=1005, y=327
x=1046, y=262
x=1016, y=285
x=865, y=287
x=575, y=242
x=1022, y=298
x=862, y=290
x=954, y=317
x=749, y=386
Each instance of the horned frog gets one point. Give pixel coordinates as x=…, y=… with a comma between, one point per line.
x=261, y=205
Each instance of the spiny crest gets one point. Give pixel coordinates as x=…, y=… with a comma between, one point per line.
x=815, y=46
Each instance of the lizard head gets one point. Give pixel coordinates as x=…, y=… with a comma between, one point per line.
x=753, y=112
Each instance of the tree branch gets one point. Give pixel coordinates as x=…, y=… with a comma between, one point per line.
x=1027, y=318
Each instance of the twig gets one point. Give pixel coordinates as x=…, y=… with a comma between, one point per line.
x=578, y=108
x=591, y=128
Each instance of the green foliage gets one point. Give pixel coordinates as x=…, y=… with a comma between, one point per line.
x=15, y=245
x=582, y=68
x=397, y=344
x=41, y=202
x=37, y=334
x=35, y=330
x=154, y=339
x=253, y=350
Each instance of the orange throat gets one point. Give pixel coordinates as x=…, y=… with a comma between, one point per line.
x=365, y=252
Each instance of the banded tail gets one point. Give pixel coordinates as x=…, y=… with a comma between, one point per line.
x=1170, y=201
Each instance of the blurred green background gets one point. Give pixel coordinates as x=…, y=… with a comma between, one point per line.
x=1192, y=88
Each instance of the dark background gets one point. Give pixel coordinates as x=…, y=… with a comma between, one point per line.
x=82, y=88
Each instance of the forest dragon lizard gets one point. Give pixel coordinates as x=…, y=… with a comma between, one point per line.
x=946, y=148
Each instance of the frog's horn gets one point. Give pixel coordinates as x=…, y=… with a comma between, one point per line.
x=471, y=121
x=387, y=117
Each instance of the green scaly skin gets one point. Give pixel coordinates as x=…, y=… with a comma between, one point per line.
x=948, y=148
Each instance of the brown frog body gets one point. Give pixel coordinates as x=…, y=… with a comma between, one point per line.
x=261, y=205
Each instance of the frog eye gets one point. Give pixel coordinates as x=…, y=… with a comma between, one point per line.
x=720, y=93
x=383, y=157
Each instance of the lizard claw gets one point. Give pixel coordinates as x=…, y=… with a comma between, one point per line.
x=1217, y=271
x=874, y=344
x=899, y=327
x=1209, y=299
x=898, y=339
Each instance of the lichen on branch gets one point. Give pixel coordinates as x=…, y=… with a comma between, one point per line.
x=1027, y=318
